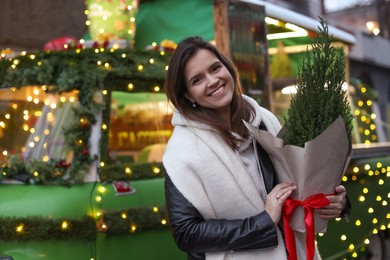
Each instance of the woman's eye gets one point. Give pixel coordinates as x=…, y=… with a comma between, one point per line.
x=216, y=67
x=195, y=81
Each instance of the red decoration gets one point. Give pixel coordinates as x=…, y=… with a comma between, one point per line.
x=62, y=164
x=123, y=188
x=97, y=44
x=314, y=202
x=62, y=43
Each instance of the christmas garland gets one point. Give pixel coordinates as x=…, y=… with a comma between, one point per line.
x=127, y=221
x=38, y=228
x=133, y=220
x=131, y=172
x=89, y=72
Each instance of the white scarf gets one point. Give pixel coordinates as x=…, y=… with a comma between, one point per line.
x=212, y=177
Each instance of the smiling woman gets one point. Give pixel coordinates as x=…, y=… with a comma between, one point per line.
x=208, y=121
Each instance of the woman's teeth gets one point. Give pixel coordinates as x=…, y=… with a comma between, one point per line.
x=217, y=91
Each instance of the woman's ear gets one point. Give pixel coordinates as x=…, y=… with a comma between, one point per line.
x=188, y=96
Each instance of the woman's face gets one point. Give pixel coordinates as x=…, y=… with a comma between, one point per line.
x=209, y=83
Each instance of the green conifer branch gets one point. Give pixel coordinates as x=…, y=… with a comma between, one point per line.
x=319, y=99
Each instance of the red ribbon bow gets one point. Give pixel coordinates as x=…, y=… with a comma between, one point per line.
x=314, y=202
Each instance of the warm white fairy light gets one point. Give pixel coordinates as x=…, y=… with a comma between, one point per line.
x=64, y=225
x=20, y=228
x=156, y=170
x=102, y=189
x=133, y=228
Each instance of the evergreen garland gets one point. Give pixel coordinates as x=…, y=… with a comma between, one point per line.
x=40, y=228
x=85, y=228
x=134, y=220
x=320, y=99
x=87, y=71
x=139, y=171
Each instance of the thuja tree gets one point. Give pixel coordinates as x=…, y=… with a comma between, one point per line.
x=319, y=99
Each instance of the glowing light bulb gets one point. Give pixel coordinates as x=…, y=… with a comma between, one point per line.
x=64, y=225
x=102, y=189
x=156, y=170
x=133, y=228
x=20, y=228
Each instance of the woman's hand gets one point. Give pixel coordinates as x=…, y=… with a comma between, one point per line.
x=337, y=203
x=276, y=198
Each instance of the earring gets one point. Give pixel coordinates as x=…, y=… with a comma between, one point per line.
x=193, y=105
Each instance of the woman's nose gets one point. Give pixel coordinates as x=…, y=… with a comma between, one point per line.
x=211, y=80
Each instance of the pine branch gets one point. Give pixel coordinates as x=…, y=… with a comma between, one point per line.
x=320, y=98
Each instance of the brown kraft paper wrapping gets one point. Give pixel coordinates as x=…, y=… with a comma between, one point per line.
x=316, y=168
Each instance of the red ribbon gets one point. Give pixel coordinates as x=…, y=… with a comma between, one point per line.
x=314, y=202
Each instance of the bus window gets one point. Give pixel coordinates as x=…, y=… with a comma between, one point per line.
x=140, y=126
x=32, y=122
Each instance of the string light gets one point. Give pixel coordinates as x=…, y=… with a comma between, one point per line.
x=156, y=170
x=133, y=228
x=64, y=225
x=20, y=228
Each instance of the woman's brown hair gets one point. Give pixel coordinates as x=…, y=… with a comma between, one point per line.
x=175, y=89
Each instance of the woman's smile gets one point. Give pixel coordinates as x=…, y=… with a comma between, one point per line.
x=217, y=91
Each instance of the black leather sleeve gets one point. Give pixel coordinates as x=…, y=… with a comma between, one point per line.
x=346, y=210
x=194, y=234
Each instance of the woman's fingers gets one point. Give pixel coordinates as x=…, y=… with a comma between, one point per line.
x=276, y=198
x=336, y=205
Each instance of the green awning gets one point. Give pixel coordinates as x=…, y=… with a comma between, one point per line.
x=173, y=20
